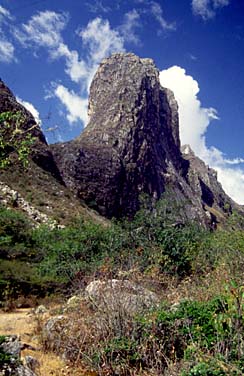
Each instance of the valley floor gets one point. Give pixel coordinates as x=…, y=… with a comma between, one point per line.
x=22, y=322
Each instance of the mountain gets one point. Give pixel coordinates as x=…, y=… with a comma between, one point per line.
x=129, y=148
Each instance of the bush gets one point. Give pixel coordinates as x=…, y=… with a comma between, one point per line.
x=15, y=233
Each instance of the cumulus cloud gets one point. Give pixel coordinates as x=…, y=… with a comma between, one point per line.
x=194, y=120
x=76, y=106
x=30, y=107
x=207, y=8
x=100, y=40
x=186, y=90
x=6, y=46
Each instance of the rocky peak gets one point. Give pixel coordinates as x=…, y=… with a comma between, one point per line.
x=130, y=142
x=131, y=146
x=126, y=95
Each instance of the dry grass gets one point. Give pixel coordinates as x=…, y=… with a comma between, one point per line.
x=22, y=323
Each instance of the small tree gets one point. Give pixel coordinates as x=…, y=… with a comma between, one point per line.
x=13, y=138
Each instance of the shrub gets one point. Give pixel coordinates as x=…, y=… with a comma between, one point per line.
x=13, y=138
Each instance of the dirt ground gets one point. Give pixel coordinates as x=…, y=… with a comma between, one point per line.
x=22, y=323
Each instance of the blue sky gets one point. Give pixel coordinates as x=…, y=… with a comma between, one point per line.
x=49, y=51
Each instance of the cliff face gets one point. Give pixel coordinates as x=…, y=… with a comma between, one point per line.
x=131, y=141
x=204, y=184
x=131, y=146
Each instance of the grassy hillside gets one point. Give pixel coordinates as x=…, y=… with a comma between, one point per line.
x=198, y=275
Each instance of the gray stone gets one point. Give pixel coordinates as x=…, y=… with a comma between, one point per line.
x=74, y=302
x=32, y=363
x=40, y=310
x=53, y=331
x=115, y=294
x=12, y=346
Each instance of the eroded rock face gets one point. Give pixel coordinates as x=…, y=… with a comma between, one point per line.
x=131, y=146
x=204, y=184
x=131, y=141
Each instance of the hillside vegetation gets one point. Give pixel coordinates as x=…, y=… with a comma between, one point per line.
x=198, y=274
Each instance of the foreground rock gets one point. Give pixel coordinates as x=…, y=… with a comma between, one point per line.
x=10, y=349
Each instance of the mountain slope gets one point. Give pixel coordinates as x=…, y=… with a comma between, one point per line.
x=39, y=184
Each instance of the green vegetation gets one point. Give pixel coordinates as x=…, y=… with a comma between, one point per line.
x=13, y=138
x=198, y=270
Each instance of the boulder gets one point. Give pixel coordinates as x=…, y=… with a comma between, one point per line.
x=11, y=347
x=115, y=294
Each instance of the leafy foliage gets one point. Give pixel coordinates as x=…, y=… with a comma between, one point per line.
x=13, y=138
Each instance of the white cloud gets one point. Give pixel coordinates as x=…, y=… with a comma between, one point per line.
x=153, y=8
x=127, y=29
x=190, y=109
x=4, y=12
x=232, y=181
x=76, y=69
x=97, y=6
x=30, y=107
x=6, y=50
x=207, y=8
x=157, y=12
x=194, y=121
x=76, y=106
x=101, y=40
x=43, y=30
x=6, y=46
x=234, y=161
